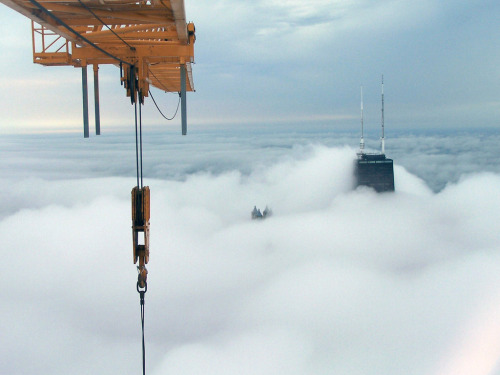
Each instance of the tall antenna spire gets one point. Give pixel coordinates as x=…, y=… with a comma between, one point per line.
x=383, y=136
x=362, y=141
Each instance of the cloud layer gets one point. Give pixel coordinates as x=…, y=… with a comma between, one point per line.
x=336, y=281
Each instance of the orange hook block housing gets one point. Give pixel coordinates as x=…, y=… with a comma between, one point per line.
x=140, y=224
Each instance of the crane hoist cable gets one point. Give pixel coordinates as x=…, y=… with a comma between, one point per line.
x=141, y=294
x=140, y=193
x=140, y=206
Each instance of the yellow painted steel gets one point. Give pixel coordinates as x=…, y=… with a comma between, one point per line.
x=153, y=36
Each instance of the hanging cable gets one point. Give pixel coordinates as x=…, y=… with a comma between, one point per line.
x=140, y=194
x=136, y=96
x=136, y=146
x=141, y=295
x=140, y=211
x=159, y=110
x=140, y=132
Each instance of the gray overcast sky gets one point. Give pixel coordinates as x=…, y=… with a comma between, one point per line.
x=284, y=61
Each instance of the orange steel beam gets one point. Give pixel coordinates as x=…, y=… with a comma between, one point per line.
x=151, y=35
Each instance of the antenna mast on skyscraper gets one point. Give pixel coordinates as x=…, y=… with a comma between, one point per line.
x=362, y=141
x=383, y=136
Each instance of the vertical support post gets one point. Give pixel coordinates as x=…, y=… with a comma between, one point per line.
x=362, y=140
x=33, y=38
x=183, y=99
x=96, y=100
x=85, y=95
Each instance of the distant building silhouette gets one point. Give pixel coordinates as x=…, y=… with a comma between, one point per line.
x=256, y=214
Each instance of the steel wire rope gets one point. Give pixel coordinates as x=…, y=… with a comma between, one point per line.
x=77, y=34
x=138, y=142
x=140, y=133
x=138, y=159
x=159, y=110
x=141, y=295
x=143, y=344
x=136, y=146
x=104, y=24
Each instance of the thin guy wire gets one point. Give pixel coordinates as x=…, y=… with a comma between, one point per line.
x=104, y=24
x=164, y=87
x=54, y=17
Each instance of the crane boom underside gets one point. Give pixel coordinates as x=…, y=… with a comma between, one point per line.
x=150, y=35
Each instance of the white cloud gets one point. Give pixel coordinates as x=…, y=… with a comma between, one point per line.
x=335, y=281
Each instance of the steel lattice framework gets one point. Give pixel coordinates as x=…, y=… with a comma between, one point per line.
x=151, y=35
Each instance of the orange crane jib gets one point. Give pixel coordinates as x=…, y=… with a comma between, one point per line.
x=149, y=34
x=149, y=40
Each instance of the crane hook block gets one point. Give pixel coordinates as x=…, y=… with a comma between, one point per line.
x=140, y=225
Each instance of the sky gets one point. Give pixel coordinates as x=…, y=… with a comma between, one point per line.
x=285, y=61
